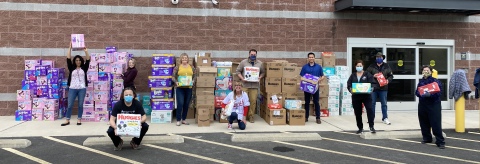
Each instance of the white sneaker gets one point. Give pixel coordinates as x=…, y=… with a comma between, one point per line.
x=229, y=126
x=385, y=121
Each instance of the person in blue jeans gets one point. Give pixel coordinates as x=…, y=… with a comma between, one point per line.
x=382, y=91
x=240, y=106
x=183, y=93
x=314, y=69
x=77, y=83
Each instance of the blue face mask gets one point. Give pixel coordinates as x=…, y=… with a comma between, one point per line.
x=128, y=99
x=359, y=69
x=253, y=58
x=379, y=60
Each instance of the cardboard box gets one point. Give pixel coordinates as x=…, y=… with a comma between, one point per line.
x=78, y=42
x=307, y=86
x=289, y=85
x=224, y=71
x=323, y=102
x=281, y=61
x=201, y=90
x=202, y=120
x=159, y=81
x=161, y=116
x=251, y=74
x=223, y=83
x=296, y=117
x=324, y=113
x=163, y=59
x=208, y=82
x=362, y=88
x=129, y=124
x=324, y=90
x=291, y=70
x=203, y=61
x=276, y=117
x=274, y=69
x=293, y=104
x=270, y=98
x=210, y=107
x=328, y=59
x=273, y=84
x=328, y=71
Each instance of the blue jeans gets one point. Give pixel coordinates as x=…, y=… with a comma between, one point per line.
x=316, y=98
x=184, y=98
x=72, y=95
x=382, y=95
x=234, y=116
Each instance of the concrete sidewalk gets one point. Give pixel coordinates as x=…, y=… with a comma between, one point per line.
x=401, y=120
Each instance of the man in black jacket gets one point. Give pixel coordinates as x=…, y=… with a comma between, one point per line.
x=380, y=67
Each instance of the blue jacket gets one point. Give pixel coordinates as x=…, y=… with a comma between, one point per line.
x=435, y=97
x=476, y=82
x=315, y=70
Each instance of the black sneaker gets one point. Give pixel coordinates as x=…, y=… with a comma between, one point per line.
x=119, y=147
x=373, y=130
x=425, y=142
x=359, y=131
x=441, y=146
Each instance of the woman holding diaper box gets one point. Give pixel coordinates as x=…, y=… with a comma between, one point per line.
x=183, y=78
x=240, y=106
x=129, y=76
x=77, y=83
x=361, y=76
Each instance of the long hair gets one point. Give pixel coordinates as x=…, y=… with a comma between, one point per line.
x=81, y=60
x=234, y=90
x=134, y=63
x=125, y=89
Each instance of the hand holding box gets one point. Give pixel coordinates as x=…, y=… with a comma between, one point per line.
x=431, y=88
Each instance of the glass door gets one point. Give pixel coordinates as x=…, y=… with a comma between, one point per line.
x=403, y=62
x=436, y=57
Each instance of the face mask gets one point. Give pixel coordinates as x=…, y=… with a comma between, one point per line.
x=426, y=74
x=253, y=57
x=379, y=60
x=359, y=69
x=128, y=99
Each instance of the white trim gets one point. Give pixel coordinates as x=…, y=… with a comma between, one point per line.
x=8, y=6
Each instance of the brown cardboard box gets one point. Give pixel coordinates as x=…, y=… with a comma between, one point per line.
x=328, y=59
x=269, y=100
x=280, y=61
x=203, y=120
x=296, y=117
x=276, y=117
x=206, y=54
x=323, y=102
x=274, y=69
x=203, y=61
x=273, y=84
x=323, y=90
x=190, y=113
x=211, y=108
x=203, y=111
x=204, y=71
x=205, y=102
x=205, y=97
x=235, y=78
x=190, y=61
x=298, y=95
x=290, y=71
x=203, y=82
x=234, y=67
x=205, y=91
x=289, y=85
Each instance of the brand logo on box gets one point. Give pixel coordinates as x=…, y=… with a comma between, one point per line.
x=167, y=105
x=288, y=83
x=289, y=69
x=297, y=116
x=273, y=84
x=251, y=69
x=274, y=69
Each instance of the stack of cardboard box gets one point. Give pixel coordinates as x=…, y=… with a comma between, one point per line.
x=343, y=73
x=281, y=83
x=223, y=86
x=161, y=88
x=204, y=89
x=329, y=93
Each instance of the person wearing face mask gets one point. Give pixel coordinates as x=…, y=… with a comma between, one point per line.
x=130, y=75
x=77, y=83
x=381, y=92
x=240, y=107
x=127, y=105
x=358, y=99
x=314, y=69
x=430, y=110
x=251, y=87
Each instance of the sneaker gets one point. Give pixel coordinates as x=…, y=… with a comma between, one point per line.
x=441, y=146
x=385, y=121
x=229, y=126
x=319, y=121
x=134, y=146
x=119, y=147
x=359, y=131
x=373, y=130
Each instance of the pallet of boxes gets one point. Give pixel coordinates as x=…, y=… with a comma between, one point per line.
x=281, y=87
x=204, y=89
x=329, y=91
x=223, y=86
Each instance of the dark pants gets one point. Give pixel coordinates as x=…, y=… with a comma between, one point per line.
x=233, y=117
x=430, y=116
x=184, y=97
x=357, y=101
x=116, y=139
x=316, y=98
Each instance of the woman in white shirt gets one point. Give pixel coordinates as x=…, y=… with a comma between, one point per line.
x=240, y=107
x=77, y=83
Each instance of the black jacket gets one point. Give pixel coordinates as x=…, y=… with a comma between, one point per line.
x=72, y=67
x=386, y=71
x=365, y=78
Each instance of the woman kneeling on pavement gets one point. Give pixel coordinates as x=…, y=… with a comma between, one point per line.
x=127, y=105
x=357, y=99
x=430, y=109
x=240, y=107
